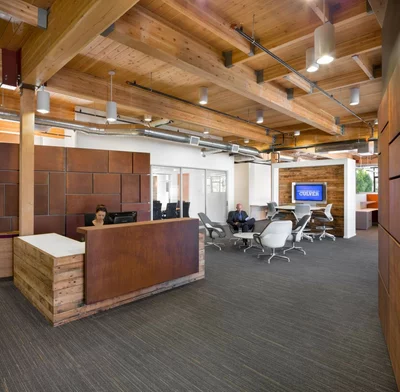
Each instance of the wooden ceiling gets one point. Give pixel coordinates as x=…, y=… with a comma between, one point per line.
x=176, y=46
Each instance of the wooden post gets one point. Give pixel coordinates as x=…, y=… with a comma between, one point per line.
x=26, y=162
x=274, y=157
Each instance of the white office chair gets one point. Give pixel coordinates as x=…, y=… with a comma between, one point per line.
x=325, y=219
x=274, y=236
x=301, y=210
x=297, y=234
x=273, y=213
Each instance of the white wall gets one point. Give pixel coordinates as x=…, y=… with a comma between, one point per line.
x=242, y=172
x=259, y=184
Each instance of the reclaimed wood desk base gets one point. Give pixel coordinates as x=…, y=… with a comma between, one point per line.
x=55, y=285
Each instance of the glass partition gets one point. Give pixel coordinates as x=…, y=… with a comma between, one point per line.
x=193, y=192
x=216, y=197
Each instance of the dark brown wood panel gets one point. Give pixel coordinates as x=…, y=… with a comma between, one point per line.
x=48, y=158
x=85, y=160
x=106, y=183
x=383, y=112
x=130, y=192
x=384, y=242
x=9, y=177
x=82, y=204
x=144, y=188
x=72, y=222
x=5, y=224
x=79, y=183
x=136, y=207
x=384, y=196
x=2, y=199
x=394, y=221
x=332, y=175
x=394, y=155
x=11, y=202
x=9, y=156
x=143, y=216
x=49, y=224
x=141, y=163
x=394, y=104
x=384, y=303
x=41, y=203
x=41, y=178
x=138, y=264
x=120, y=162
x=57, y=194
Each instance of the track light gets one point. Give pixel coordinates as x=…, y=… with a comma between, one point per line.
x=43, y=101
x=324, y=43
x=311, y=64
x=296, y=133
x=376, y=121
x=147, y=117
x=206, y=132
x=354, y=96
x=203, y=95
x=259, y=116
x=111, y=107
x=246, y=140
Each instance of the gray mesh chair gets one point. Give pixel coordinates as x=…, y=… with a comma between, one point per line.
x=301, y=210
x=273, y=213
x=326, y=218
x=274, y=236
x=213, y=230
x=297, y=234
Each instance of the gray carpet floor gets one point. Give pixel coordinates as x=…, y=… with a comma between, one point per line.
x=308, y=325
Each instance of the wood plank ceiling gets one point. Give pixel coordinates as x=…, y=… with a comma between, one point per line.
x=138, y=53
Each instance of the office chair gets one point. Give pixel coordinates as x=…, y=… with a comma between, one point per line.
x=234, y=230
x=186, y=205
x=301, y=210
x=213, y=230
x=170, y=212
x=273, y=213
x=325, y=219
x=157, y=214
x=297, y=234
x=274, y=236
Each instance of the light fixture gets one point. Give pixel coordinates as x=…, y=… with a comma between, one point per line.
x=354, y=96
x=246, y=140
x=376, y=121
x=324, y=42
x=342, y=151
x=203, y=95
x=259, y=116
x=206, y=132
x=111, y=107
x=296, y=133
x=147, y=117
x=43, y=101
x=311, y=64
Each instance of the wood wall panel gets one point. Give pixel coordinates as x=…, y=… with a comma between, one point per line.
x=5, y=224
x=384, y=310
x=6, y=256
x=383, y=112
x=9, y=177
x=79, y=183
x=384, y=252
x=9, y=156
x=120, y=162
x=41, y=200
x=50, y=224
x=394, y=221
x=41, y=178
x=143, y=216
x=130, y=191
x=394, y=104
x=144, y=188
x=85, y=160
x=141, y=163
x=83, y=204
x=383, y=216
x=143, y=210
x=11, y=202
x=2, y=199
x=72, y=222
x=57, y=194
x=394, y=154
x=332, y=175
x=106, y=183
x=48, y=158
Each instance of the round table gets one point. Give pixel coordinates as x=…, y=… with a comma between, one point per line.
x=247, y=236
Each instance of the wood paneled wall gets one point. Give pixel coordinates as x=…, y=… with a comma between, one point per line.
x=332, y=175
x=72, y=181
x=389, y=218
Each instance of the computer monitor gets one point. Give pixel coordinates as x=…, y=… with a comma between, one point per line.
x=309, y=192
x=123, y=217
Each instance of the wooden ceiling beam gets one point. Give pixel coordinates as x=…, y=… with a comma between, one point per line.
x=365, y=65
x=299, y=82
x=343, y=18
x=22, y=11
x=71, y=26
x=363, y=44
x=143, y=31
x=318, y=11
x=379, y=8
x=212, y=22
x=77, y=84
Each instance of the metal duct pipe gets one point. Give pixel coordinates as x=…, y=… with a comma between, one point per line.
x=147, y=132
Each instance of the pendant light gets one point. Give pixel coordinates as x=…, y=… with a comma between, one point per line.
x=203, y=95
x=296, y=133
x=259, y=116
x=111, y=108
x=147, y=117
x=311, y=64
x=324, y=42
x=354, y=96
x=43, y=101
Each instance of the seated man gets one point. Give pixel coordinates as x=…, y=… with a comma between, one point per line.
x=239, y=219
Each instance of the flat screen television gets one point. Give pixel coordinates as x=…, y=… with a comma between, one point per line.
x=309, y=192
x=123, y=217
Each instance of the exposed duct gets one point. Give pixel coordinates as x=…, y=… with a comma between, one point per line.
x=130, y=130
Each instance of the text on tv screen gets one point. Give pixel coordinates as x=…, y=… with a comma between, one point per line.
x=309, y=192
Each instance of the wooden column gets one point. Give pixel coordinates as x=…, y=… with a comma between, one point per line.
x=26, y=162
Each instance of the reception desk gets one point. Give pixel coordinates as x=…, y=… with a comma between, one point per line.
x=117, y=264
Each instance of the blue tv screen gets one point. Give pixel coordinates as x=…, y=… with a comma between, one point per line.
x=309, y=192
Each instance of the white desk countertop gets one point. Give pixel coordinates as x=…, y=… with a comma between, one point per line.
x=55, y=245
x=292, y=208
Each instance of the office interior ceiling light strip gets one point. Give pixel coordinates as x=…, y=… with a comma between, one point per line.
x=291, y=69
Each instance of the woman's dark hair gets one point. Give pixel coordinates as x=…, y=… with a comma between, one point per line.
x=101, y=207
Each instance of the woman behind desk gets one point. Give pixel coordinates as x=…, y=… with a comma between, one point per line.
x=101, y=217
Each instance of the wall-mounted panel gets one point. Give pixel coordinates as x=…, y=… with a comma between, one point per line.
x=120, y=162
x=2, y=199
x=49, y=158
x=143, y=210
x=384, y=195
x=41, y=203
x=130, y=192
x=141, y=163
x=394, y=103
x=394, y=155
x=5, y=224
x=57, y=194
x=79, y=183
x=144, y=188
x=383, y=112
x=49, y=224
x=394, y=221
x=82, y=204
x=11, y=202
x=9, y=156
x=41, y=178
x=85, y=160
x=384, y=252
x=9, y=177
x=106, y=183
x=384, y=311
x=72, y=223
